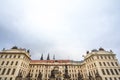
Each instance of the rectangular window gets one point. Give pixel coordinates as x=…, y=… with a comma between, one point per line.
x=100, y=63
x=13, y=71
x=103, y=71
x=109, y=57
x=116, y=63
x=16, y=63
x=116, y=71
x=110, y=78
x=1, y=56
x=115, y=78
x=11, y=78
x=10, y=56
x=12, y=63
x=8, y=71
x=112, y=71
x=107, y=71
x=14, y=56
x=5, y=56
x=104, y=63
x=7, y=63
x=112, y=63
x=5, y=78
x=3, y=71
x=3, y=63
x=108, y=63
x=106, y=78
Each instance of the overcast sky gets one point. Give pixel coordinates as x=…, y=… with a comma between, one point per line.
x=66, y=28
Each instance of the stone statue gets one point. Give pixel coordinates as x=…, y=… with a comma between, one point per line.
x=28, y=51
x=52, y=74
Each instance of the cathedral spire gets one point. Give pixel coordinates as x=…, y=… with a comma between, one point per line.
x=41, y=57
x=53, y=57
x=48, y=57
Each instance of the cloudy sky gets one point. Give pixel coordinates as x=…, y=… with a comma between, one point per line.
x=66, y=28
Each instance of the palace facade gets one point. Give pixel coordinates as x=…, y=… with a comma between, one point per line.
x=16, y=64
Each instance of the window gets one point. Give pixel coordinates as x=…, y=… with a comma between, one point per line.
x=97, y=57
x=106, y=78
x=10, y=56
x=101, y=57
x=14, y=56
x=7, y=63
x=119, y=70
x=103, y=71
x=8, y=71
x=5, y=56
x=107, y=72
x=3, y=63
x=11, y=78
x=1, y=56
x=112, y=63
x=16, y=63
x=19, y=56
x=100, y=63
x=112, y=71
x=94, y=64
x=5, y=78
x=104, y=63
x=116, y=63
x=116, y=71
x=105, y=57
x=3, y=71
x=110, y=78
x=115, y=78
x=109, y=57
x=13, y=71
x=12, y=63
x=108, y=63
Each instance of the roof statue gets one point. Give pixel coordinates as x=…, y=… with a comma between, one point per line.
x=101, y=49
x=14, y=47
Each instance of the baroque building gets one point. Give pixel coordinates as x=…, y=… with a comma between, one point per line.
x=16, y=64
